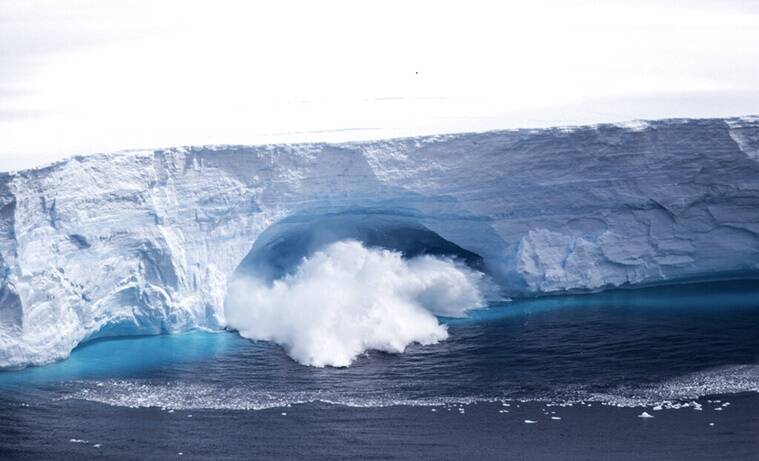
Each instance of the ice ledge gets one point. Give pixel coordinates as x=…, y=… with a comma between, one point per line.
x=144, y=242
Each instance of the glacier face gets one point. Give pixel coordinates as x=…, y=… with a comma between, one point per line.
x=145, y=242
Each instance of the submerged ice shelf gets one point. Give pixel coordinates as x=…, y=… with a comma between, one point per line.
x=146, y=242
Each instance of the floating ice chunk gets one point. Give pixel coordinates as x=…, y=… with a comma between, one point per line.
x=97, y=445
x=556, y=418
x=529, y=421
x=284, y=413
x=645, y=415
x=78, y=441
x=718, y=409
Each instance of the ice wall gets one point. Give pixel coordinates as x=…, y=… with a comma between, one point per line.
x=145, y=242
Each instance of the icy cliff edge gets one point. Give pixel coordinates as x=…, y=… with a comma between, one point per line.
x=146, y=242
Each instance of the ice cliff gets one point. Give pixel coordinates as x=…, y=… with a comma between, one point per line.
x=145, y=242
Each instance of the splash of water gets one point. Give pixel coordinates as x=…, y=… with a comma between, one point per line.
x=347, y=299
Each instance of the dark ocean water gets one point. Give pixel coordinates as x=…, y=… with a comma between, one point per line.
x=620, y=350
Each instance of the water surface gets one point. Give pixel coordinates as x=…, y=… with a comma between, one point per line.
x=628, y=348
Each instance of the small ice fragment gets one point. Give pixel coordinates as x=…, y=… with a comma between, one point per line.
x=97, y=445
x=556, y=417
x=726, y=404
x=718, y=409
x=77, y=441
x=180, y=453
x=657, y=408
x=284, y=413
x=645, y=415
x=189, y=416
x=171, y=411
x=711, y=424
x=434, y=410
x=529, y=421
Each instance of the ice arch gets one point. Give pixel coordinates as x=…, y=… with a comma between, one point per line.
x=279, y=249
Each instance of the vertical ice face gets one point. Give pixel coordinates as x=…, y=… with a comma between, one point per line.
x=744, y=133
x=145, y=242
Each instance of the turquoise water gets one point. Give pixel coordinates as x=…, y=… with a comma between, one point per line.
x=128, y=356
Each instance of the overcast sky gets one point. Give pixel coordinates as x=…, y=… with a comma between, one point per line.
x=81, y=76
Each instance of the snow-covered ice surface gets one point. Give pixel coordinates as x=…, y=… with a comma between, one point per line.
x=146, y=242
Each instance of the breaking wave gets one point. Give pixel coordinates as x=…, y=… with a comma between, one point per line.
x=347, y=299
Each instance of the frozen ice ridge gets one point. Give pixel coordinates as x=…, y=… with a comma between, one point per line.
x=146, y=242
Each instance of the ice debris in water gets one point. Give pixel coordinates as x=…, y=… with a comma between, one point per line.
x=645, y=415
x=529, y=421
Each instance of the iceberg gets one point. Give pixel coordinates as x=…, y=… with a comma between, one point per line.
x=147, y=242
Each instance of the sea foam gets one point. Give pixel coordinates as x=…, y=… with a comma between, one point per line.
x=347, y=299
